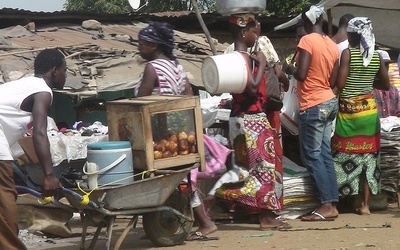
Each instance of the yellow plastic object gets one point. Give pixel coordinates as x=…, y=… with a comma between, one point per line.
x=45, y=200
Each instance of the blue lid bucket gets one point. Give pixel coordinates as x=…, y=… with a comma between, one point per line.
x=109, y=163
x=107, y=145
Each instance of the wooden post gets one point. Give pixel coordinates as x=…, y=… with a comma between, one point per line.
x=204, y=27
x=330, y=29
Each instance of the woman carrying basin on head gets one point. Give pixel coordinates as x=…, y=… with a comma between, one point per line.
x=251, y=135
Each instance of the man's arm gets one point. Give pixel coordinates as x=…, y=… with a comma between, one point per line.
x=396, y=100
x=383, y=77
x=41, y=104
x=282, y=77
x=343, y=69
x=334, y=75
x=303, y=65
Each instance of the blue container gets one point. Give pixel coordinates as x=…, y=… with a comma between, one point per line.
x=104, y=154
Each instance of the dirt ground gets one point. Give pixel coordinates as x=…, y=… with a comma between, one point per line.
x=381, y=230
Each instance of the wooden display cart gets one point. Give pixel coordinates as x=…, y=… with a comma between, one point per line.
x=134, y=120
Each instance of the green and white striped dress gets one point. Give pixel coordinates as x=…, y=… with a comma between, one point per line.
x=356, y=141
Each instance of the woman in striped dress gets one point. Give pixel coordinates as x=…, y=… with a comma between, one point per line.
x=356, y=141
x=163, y=74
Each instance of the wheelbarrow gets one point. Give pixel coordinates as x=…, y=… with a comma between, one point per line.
x=167, y=214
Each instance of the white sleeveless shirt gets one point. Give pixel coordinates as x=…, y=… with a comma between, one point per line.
x=342, y=46
x=14, y=121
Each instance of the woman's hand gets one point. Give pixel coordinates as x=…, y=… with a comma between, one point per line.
x=259, y=58
x=255, y=81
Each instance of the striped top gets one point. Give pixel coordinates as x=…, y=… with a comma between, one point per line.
x=171, y=77
x=360, y=78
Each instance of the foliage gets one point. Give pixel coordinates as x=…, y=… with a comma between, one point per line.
x=98, y=6
x=274, y=7
x=286, y=8
x=122, y=6
x=177, y=5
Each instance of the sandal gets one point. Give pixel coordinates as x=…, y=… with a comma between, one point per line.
x=198, y=236
x=315, y=216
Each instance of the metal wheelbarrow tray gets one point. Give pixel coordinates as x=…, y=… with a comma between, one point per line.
x=167, y=214
x=146, y=193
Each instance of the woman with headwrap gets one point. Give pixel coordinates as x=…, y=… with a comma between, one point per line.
x=251, y=135
x=316, y=72
x=163, y=74
x=356, y=141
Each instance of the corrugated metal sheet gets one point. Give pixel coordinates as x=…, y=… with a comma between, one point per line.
x=68, y=36
x=110, y=54
x=113, y=50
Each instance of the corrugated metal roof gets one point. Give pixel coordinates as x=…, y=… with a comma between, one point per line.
x=113, y=50
x=74, y=35
x=179, y=19
x=110, y=55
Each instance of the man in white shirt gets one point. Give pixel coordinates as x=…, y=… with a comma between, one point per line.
x=24, y=104
x=340, y=38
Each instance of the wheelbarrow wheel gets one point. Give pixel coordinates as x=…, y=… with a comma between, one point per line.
x=164, y=228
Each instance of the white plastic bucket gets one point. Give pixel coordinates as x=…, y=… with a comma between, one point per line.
x=109, y=163
x=226, y=73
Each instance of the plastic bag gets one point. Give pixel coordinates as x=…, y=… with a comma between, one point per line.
x=290, y=110
x=216, y=155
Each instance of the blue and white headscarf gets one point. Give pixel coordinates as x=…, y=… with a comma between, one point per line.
x=363, y=26
x=160, y=33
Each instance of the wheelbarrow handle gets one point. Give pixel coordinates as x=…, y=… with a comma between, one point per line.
x=23, y=189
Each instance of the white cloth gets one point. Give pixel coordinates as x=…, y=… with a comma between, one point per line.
x=314, y=13
x=14, y=121
x=389, y=123
x=231, y=176
x=264, y=45
x=384, y=55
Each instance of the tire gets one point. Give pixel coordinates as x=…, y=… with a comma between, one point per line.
x=165, y=228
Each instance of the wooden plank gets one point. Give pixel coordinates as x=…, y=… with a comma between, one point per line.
x=176, y=161
x=199, y=135
x=139, y=159
x=172, y=106
x=148, y=135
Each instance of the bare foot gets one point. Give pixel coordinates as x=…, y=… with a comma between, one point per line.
x=269, y=221
x=363, y=210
